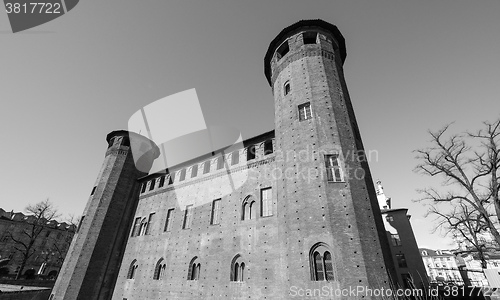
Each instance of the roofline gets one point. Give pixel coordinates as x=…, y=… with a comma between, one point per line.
x=206, y=156
x=294, y=27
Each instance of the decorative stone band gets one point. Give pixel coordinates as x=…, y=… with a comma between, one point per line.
x=218, y=174
x=122, y=151
x=298, y=55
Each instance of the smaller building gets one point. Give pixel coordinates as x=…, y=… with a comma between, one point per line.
x=472, y=267
x=404, y=249
x=441, y=266
x=48, y=250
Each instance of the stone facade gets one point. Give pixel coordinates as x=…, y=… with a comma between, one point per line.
x=291, y=211
x=49, y=249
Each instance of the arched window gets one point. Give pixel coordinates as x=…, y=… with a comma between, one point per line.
x=144, y=226
x=249, y=209
x=159, y=269
x=194, y=269
x=286, y=88
x=321, y=262
x=237, y=269
x=132, y=270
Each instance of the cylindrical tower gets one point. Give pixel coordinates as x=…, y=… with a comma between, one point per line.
x=94, y=257
x=327, y=197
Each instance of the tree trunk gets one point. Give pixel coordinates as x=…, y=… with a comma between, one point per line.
x=21, y=269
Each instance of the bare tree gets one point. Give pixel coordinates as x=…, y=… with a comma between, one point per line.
x=466, y=226
x=60, y=247
x=469, y=165
x=38, y=216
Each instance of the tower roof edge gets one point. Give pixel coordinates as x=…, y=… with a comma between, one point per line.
x=303, y=23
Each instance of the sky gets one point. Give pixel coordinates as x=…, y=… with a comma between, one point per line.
x=411, y=66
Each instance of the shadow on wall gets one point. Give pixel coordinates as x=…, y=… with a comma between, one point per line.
x=26, y=295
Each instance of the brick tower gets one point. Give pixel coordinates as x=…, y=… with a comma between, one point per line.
x=94, y=257
x=326, y=193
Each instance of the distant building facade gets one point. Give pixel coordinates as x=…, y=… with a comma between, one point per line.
x=410, y=268
x=471, y=265
x=441, y=266
x=49, y=248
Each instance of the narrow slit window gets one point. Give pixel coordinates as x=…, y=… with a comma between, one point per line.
x=305, y=112
x=150, y=223
x=152, y=185
x=188, y=216
x=206, y=167
x=287, y=88
x=137, y=226
x=93, y=190
x=282, y=50
x=215, y=212
x=144, y=185
x=267, y=202
x=251, y=152
x=220, y=162
x=168, y=221
x=172, y=178
x=235, y=157
x=333, y=171
x=183, y=175
x=162, y=181
x=268, y=147
x=194, y=171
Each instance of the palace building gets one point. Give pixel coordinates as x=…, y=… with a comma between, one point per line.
x=252, y=222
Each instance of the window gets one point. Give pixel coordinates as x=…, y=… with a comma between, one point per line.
x=194, y=269
x=251, y=152
x=143, y=189
x=220, y=162
x=235, y=157
x=172, y=178
x=400, y=257
x=144, y=225
x=282, y=50
x=168, y=221
x=249, y=208
x=150, y=222
x=266, y=196
x=194, y=171
x=152, y=186
x=309, y=37
x=137, y=227
x=237, y=269
x=162, y=181
x=305, y=112
x=93, y=190
x=320, y=259
x=215, y=212
x=268, y=147
x=188, y=216
x=206, y=167
x=286, y=88
x=80, y=223
x=132, y=270
x=396, y=241
x=333, y=172
x=183, y=175
x=159, y=269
